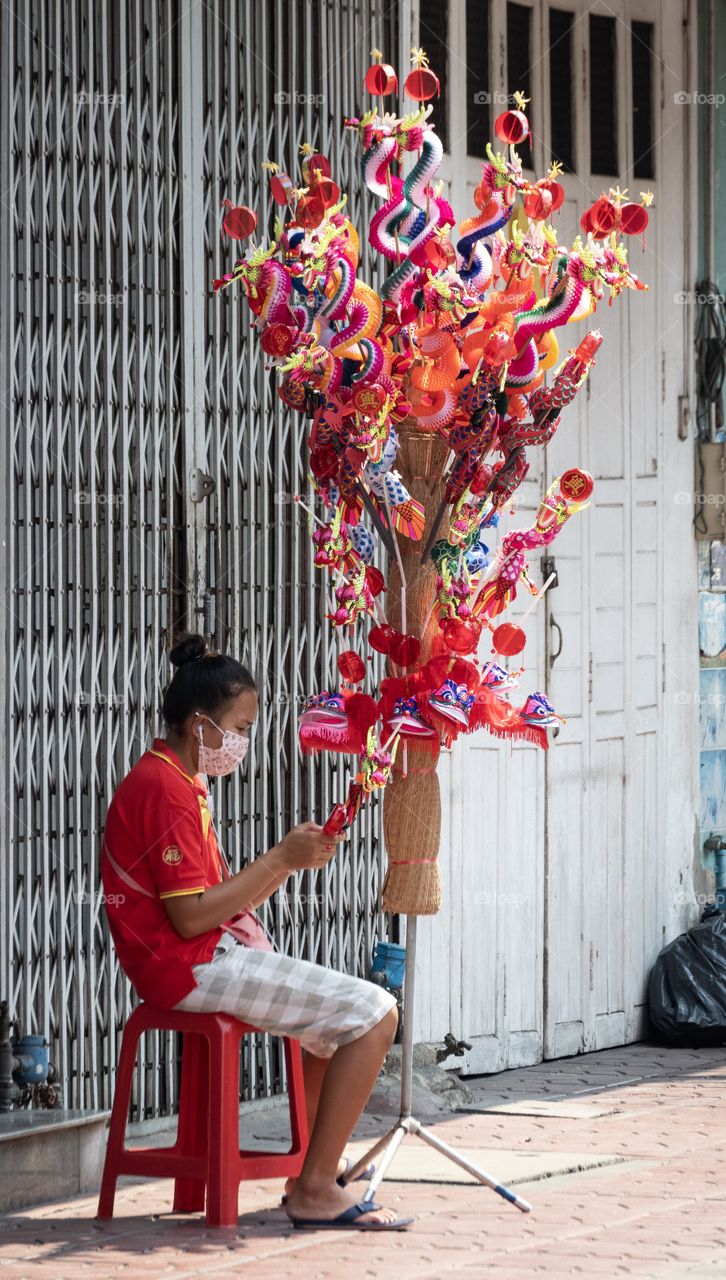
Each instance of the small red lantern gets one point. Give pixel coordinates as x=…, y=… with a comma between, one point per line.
x=538, y=204
x=576, y=485
x=281, y=188
x=375, y=581
x=325, y=190
x=512, y=126
x=556, y=190
x=422, y=84
x=633, y=219
x=603, y=218
x=508, y=639
x=403, y=649
x=461, y=637
x=315, y=166
x=239, y=222
x=310, y=211
x=351, y=667
x=482, y=195
x=369, y=399
x=277, y=339
x=381, y=79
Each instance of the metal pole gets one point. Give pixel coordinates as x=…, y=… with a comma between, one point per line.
x=408, y=998
x=387, y=1146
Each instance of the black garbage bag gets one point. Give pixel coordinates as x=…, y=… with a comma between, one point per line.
x=687, y=987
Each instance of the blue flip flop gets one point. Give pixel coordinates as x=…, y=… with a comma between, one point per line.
x=364, y=1176
x=348, y=1218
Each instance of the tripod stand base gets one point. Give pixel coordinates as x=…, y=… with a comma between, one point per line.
x=388, y=1145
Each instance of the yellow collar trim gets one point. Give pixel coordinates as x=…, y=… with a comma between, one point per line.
x=160, y=755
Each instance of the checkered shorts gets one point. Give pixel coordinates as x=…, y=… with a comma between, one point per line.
x=322, y=1008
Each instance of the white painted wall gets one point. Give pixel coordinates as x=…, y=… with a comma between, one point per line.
x=563, y=873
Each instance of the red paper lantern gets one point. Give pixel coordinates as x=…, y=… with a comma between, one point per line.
x=315, y=167
x=508, y=639
x=422, y=84
x=511, y=126
x=586, y=222
x=538, y=204
x=381, y=79
x=239, y=222
x=556, y=190
x=375, y=580
x=281, y=188
x=603, y=217
x=576, y=485
x=633, y=219
x=351, y=667
x=325, y=190
x=482, y=195
x=310, y=211
x=461, y=637
x=277, y=339
x=369, y=399
x=403, y=649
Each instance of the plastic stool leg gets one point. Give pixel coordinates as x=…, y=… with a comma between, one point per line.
x=296, y=1094
x=193, y=1119
x=119, y=1115
x=223, y=1155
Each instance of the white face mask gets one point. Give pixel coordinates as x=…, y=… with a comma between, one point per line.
x=218, y=761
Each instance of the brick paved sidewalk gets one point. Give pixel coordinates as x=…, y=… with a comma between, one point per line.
x=622, y=1154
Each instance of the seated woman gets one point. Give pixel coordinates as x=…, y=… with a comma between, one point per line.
x=187, y=936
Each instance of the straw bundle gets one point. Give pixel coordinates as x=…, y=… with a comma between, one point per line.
x=411, y=803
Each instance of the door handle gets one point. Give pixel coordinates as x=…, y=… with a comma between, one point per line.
x=555, y=653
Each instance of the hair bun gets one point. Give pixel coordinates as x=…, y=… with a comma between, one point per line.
x=188, y=649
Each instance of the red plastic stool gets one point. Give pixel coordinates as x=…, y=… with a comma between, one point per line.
x=206, y=1155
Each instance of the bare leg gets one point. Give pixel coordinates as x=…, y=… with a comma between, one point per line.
x=314, y=1073
x=346, y=1086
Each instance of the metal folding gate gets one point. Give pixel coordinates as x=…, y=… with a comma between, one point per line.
x=150, y=469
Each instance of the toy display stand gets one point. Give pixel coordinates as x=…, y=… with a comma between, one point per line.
x=384, y=1151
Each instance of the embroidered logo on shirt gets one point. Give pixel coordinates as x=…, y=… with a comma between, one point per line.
x=172, y=855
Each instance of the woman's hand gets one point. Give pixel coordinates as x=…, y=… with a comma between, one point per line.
x=305, y=847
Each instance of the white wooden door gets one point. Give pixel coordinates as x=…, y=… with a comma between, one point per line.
x=611, y=863
x=563, y=873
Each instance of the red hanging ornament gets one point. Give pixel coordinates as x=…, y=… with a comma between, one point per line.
x=633, y=219
x=314, y=167
x=310, y=211
x=461, y=637
x=421, y=83
x=351, y=667
x=239, y=222
x=381, y=79
x=369, y=399
x=512, y=127
x=277, y=339
x=281, y=188
x=576, y=485
x=375, y=581
x=508, y=639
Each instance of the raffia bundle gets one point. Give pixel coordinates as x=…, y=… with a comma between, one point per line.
x=412, y=803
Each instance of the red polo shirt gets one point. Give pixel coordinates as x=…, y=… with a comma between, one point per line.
x=159, y=842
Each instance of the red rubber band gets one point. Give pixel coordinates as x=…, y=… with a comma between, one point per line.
x=408, y=862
